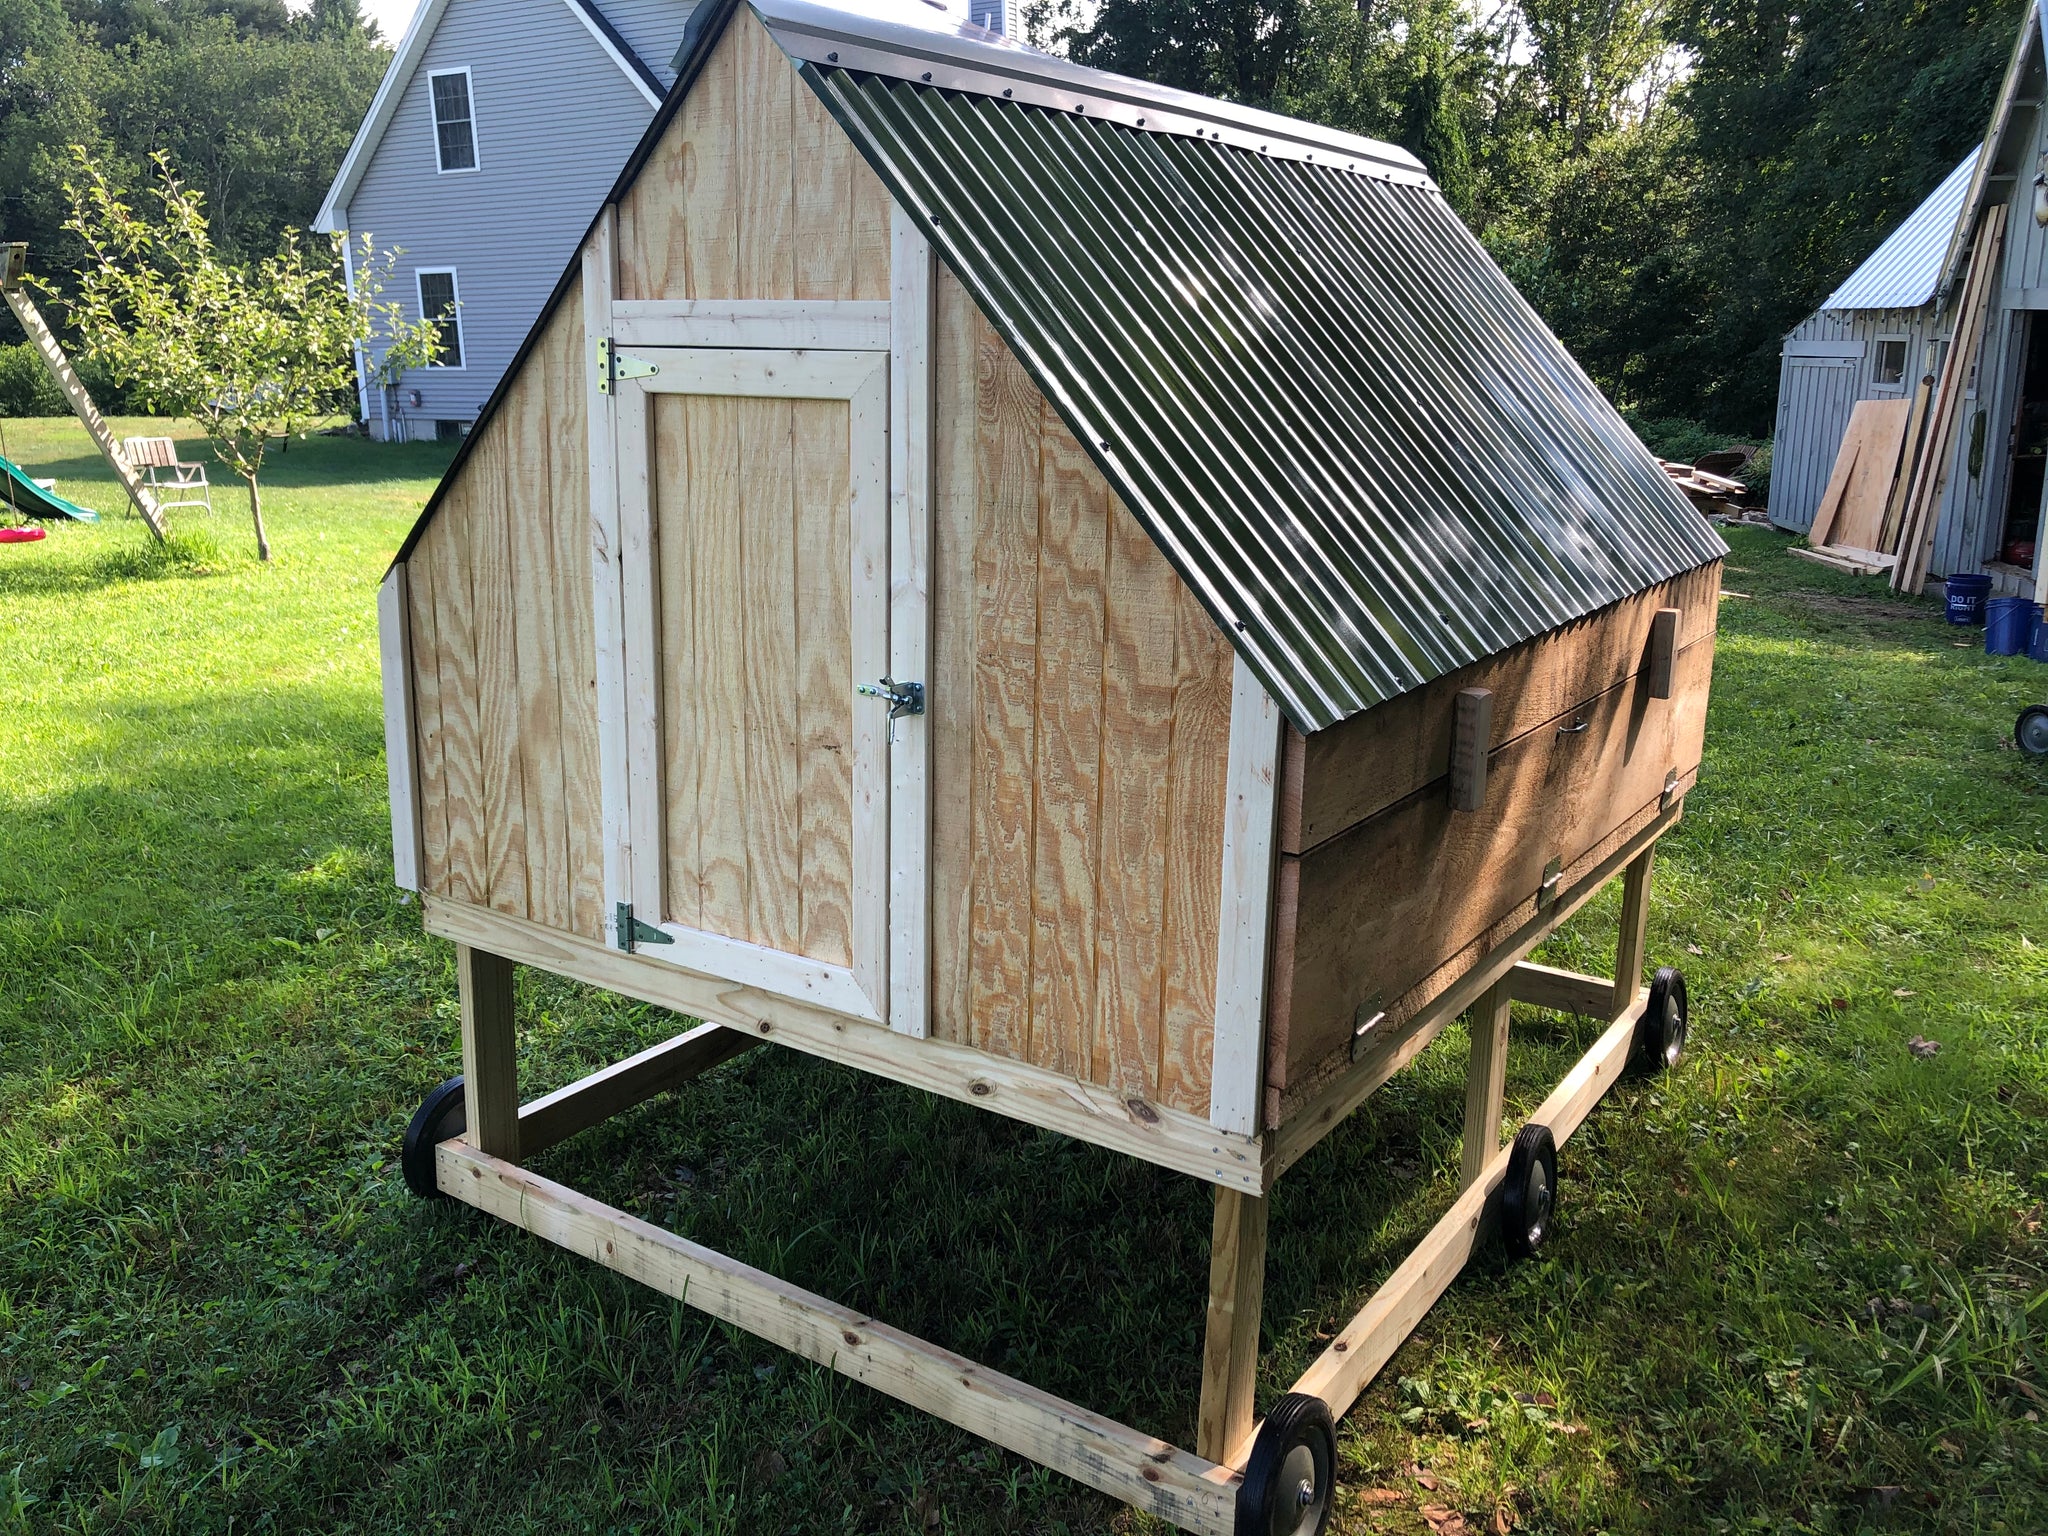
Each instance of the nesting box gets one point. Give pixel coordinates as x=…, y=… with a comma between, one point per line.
x=1095, y=602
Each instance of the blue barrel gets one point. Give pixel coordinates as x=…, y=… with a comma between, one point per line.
x=1966, y=596
x=2038, y=646
x=2009, y=623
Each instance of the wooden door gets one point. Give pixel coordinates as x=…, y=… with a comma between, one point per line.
x=753, y=504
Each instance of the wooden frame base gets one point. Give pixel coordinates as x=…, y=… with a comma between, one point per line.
x=1194, y=1491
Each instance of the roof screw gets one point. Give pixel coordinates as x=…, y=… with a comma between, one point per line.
x=1008, y=92
x=927, y=76
x=1141, y=122
x=1080, y=106
x=831, y=58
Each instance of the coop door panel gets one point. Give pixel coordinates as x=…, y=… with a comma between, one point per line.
x=754, y=522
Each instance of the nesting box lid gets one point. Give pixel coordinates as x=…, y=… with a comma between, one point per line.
x=1356, y=442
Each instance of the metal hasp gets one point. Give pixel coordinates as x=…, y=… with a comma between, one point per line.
x=633, y=933
x=613, y=365
x=904, y=698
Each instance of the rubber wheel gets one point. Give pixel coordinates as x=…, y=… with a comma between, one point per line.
x=2031, y=730
x=1292, y=1473
x=442, y=1113
x=1660, y=1034
x=1528, y=1196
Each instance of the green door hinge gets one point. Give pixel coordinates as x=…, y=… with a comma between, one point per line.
x=633, y=932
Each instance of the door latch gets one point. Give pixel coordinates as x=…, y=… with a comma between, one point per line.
x=633, y=933
x=613, y=365
x=902, y=698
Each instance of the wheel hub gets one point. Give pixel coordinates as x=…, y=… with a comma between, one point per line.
x=1304, y=1512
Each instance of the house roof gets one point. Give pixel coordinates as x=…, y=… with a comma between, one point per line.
x=1306, y=379
x=405, y=62
x=1905, y=271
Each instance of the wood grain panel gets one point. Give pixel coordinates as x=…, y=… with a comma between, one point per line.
x=1008, y=475
x=567, y=502
x=768, y=652
x=1080, y=734
x=531, y=542
x=1392, y=900
x=455, y=658
x=753, y=192
x=1339, y=777
x=824, y=626
x=1067, y=787
x=674, y=457
x=720, y=680
x=1197, y=774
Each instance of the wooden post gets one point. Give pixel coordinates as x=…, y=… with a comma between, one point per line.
x=1486, y=1079
x=1230, y=1350
x=1635, y=914
x=490, y=1064
x=59, y=365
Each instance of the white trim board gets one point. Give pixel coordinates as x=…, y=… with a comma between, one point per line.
x=1251, y=806
x=911, y=433
x=401, y=740
x=861, y=379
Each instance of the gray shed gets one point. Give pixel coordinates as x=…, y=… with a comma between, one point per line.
x=1091, y=601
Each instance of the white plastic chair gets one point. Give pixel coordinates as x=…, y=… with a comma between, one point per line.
x=158, y=458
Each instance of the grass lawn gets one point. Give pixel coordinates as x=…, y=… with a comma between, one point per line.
x=1798, y=1285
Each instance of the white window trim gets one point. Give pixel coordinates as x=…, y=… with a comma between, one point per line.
x=461, y=334
x=1906, y=367
x=476, y=148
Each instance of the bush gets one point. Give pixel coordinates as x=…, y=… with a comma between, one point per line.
x=26, y=388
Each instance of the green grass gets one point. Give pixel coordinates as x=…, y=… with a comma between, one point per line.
x=1798, y=1285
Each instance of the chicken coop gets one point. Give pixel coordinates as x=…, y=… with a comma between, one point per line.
x=1091, y=601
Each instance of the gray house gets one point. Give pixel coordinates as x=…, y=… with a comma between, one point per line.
x=498, y=127
x=1892, y=323
x=1869, y=340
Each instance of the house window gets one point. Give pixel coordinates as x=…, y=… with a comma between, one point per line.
x=1890, y=372
x=442, y=304
x=454, y=125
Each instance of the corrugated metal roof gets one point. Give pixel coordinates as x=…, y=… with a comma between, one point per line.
x=1903, y=272
x=1320, y=396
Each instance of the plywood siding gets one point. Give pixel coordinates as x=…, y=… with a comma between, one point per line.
x=753, y=538
x=1080, y=719
x=504, y=658
x=1389, y=912
x=753, y=192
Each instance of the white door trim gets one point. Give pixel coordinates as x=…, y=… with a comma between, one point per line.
x=1251, y=804
x=910, y=638
x=860, y=990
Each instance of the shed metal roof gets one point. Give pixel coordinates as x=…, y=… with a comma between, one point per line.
x=1903, y=272
x=1313, y=387
x=1322, y=399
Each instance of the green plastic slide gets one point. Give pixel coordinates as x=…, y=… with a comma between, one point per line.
x=23, y=495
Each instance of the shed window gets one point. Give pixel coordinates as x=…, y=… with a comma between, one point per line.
x=1891, y=362
x=441, y=303
x=454, y=126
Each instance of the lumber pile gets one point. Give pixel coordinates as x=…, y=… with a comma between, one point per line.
x=1916, y=510
x=1707, y=490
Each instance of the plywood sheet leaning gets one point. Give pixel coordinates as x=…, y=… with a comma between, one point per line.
x=1847, y=526
x=1930, y=474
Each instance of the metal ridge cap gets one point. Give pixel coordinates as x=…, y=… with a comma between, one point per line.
x=970, y=59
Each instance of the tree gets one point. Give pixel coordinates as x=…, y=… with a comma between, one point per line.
x=251, y=350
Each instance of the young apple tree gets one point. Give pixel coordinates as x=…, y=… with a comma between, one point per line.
x=250, y=350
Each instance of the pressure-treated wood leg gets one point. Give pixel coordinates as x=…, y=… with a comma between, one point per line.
x=490, y=1068
x=1635, y=914
x=1486, y=1078
x=1230, y=1351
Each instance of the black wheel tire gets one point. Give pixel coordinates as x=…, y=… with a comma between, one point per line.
x=1528, y=1196
x=2031, y=730
x=442, y=1113
x=1660, y=1035
x=1291, y=1478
